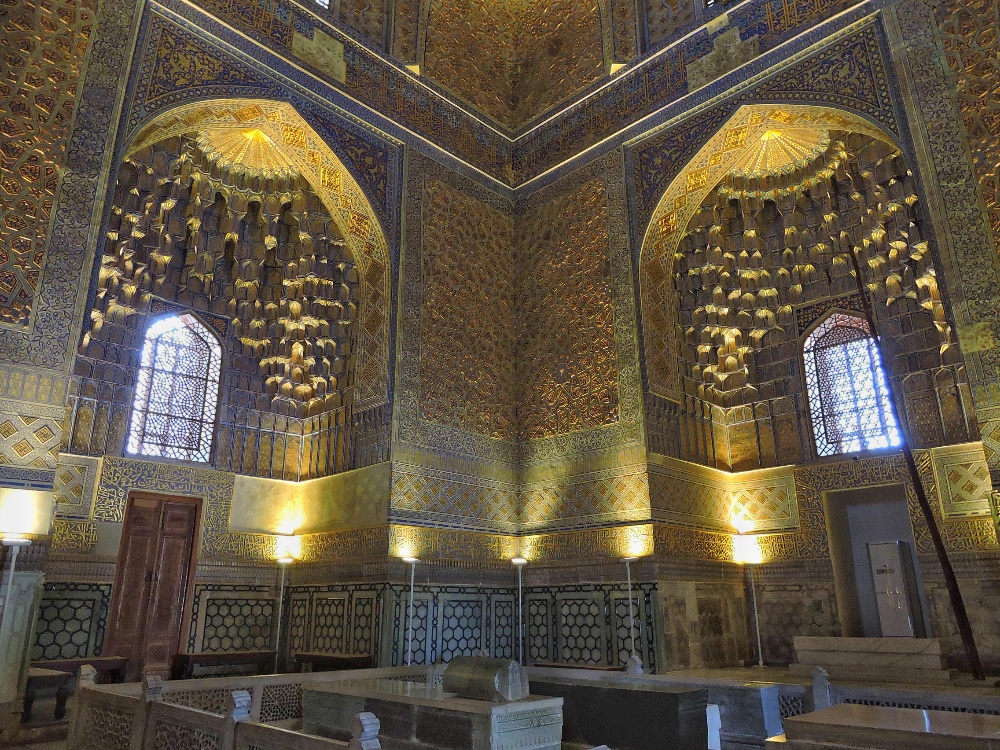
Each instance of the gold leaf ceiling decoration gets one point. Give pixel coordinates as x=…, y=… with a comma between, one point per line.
x=779, y=150
x=252, y=149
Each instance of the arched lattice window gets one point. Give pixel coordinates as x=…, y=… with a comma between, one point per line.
x=849, y=400
x=177, y=392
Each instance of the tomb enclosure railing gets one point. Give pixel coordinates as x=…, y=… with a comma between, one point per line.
x=198, y=714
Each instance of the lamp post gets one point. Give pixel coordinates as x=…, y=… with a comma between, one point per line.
x=519, y=563
x=746, y=551
x=412, y=562
x=283, y=563
x=14, y=545
x=635, y=663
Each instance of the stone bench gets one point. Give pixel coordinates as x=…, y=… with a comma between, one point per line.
x=108, y=668
x=39, y=679
x=184, y=666
x=899, y=660
x=855, y=727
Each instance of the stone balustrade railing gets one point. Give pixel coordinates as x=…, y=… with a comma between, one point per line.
x=224, y=713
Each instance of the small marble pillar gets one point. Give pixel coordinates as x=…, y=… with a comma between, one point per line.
x=822, y=693
x=16, y=633
x=364, y=732
x=239, y=705
x=152, y=688
x=633, y=665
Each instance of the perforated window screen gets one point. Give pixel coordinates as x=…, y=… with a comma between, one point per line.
x=177, y=391
x=848, y=394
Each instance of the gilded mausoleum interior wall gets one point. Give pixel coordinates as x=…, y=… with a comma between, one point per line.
x=44, y=51
x=539, y=52
x=420, y=361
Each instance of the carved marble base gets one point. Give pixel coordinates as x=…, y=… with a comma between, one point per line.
x=18, y=628
x=415, y=717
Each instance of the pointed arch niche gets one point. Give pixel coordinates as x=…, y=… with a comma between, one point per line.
x=752, y=241
x=236, y=210
x=299, y=148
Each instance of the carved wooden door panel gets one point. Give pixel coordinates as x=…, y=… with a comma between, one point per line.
x=127, y=619
x=170, y=583
x=151, y=583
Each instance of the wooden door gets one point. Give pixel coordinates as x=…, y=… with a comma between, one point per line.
x=151, y=583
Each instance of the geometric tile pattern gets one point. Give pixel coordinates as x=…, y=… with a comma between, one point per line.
x=566, y=344
x=329, y=623
x=613, y=496
x=108, y=728
x=44, y=49
x=27, y=440
x=504, y=629
x=467, y=316
x=425, y=495
x=75, y=480
x=962, y=479
x=623, y=629
x=581, y=634
x=72, y=618
x=462, y=628
x=233, y=624
x=281, y=702
x=363, y=624
x=692, y=495
x=538, y=629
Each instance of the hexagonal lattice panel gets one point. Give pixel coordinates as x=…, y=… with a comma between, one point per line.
x=505, y=628
x=329, y=624
x=623, y=633
x=537, y=634
x=364, y=624
x=237, y=624
x=461, y=628
x=420, y=632
x=71, y=621
x=581, y=631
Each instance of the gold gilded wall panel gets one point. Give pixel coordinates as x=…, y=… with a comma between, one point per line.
x=617, y=495
x=666, y=17
x=467, y=314
x=432, y=497
x=367, y=17
x=962, y=479
x=30, y=434
x=540, y=52
x=561, y=51
x=458, y=34
x=687, y=494
x=968, y=31
x=567, y=360
x=44, y=48
x=417, y=439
